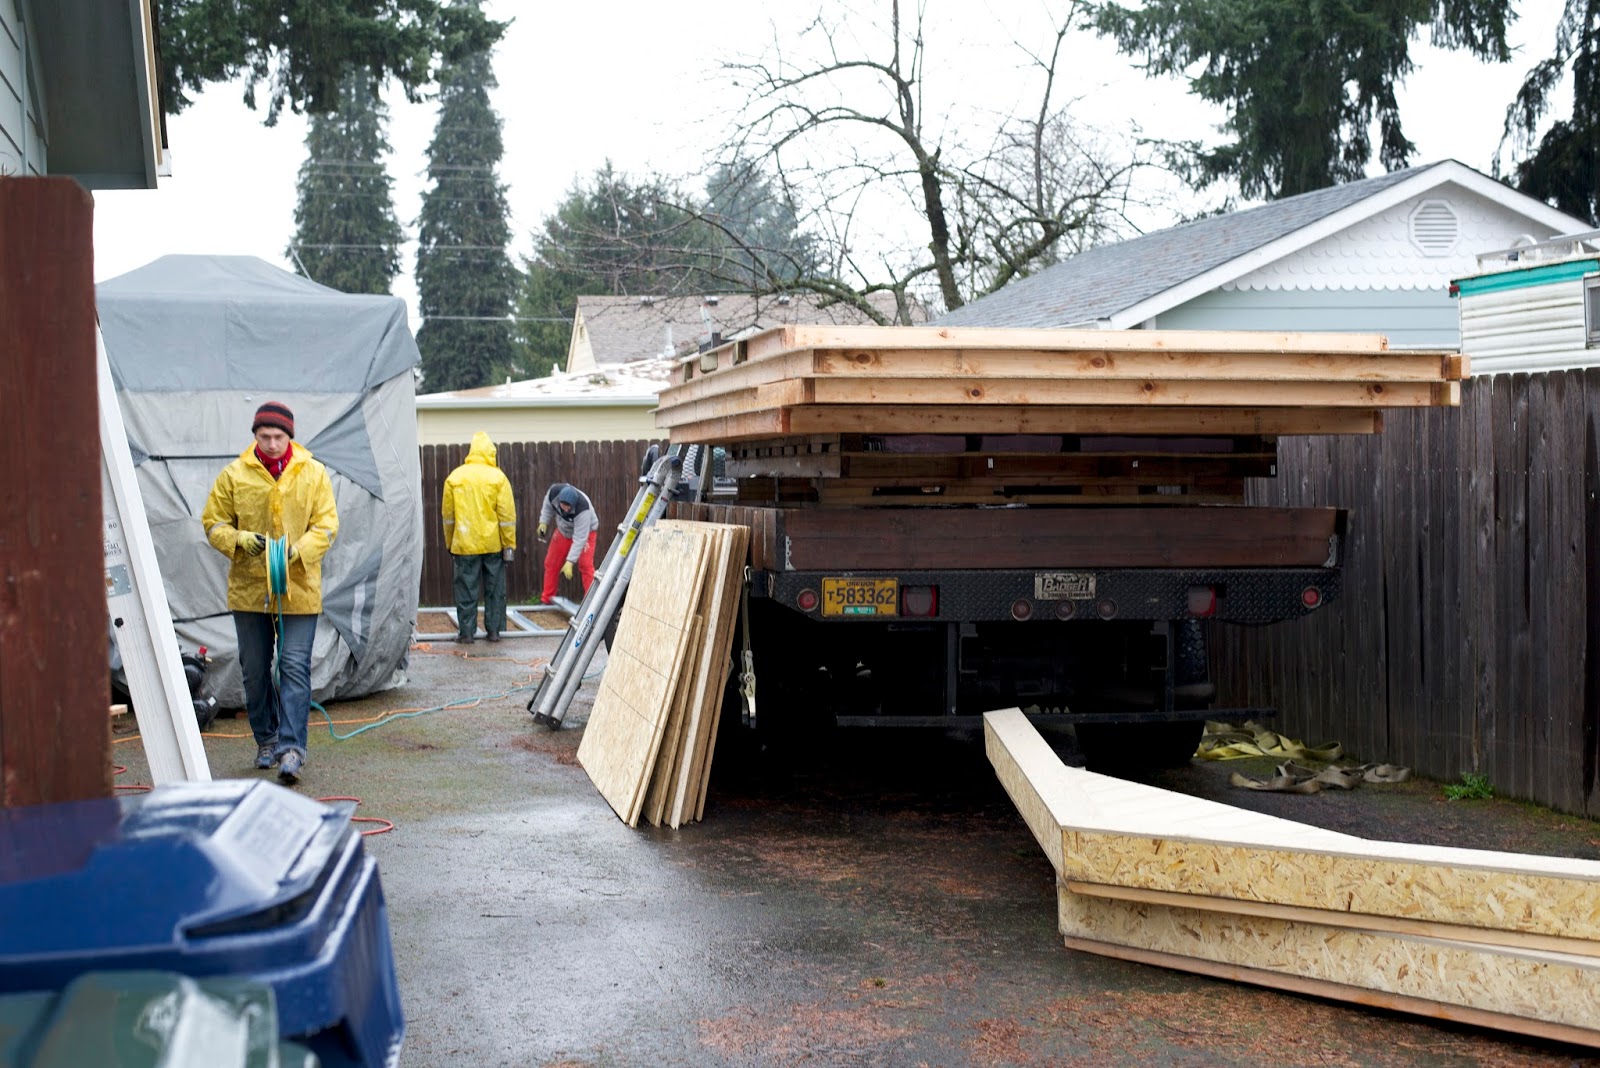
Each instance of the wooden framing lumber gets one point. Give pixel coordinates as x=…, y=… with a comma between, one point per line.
x=796, y=337
x=1020, y=419
x=796, y=381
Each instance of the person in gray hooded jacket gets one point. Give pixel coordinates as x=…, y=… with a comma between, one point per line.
x=572, y=546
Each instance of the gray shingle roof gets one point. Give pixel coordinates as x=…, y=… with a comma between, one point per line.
x=1103, y=281
x=622, y=329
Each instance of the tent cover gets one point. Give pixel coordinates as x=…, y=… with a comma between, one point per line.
x=196, y=344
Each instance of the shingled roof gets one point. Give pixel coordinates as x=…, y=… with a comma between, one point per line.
x=624, y=329
x=1095, y=285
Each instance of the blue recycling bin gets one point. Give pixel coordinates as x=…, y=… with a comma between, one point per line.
x=232, y=878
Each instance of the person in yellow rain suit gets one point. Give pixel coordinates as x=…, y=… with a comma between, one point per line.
x=480, y=529
x=274, y=490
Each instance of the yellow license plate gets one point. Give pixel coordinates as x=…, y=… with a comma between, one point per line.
x=860, y=597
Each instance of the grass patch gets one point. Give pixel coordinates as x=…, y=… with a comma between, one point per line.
x=1471, y=788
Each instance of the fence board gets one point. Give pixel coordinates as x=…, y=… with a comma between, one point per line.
x=1462, y=639
x=608, y=471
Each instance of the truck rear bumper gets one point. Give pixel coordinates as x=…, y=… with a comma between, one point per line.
x=1237, y=595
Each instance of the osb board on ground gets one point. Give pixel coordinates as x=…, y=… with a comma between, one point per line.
x=708, y=669
x=1552, y=987
x=623, y=734
x=1119, y=833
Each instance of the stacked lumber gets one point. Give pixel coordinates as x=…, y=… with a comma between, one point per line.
x=798, y=381
x=1502, y=940
x=652, y=732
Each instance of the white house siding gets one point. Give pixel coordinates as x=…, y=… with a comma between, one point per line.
x=1378, y=252
x=1526, y=328
x=22, y=148
x=452, y=426
x=1409, y=318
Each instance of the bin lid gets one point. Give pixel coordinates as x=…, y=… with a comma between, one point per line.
x=144, y=868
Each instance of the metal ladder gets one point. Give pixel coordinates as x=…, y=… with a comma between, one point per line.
x=602, y=601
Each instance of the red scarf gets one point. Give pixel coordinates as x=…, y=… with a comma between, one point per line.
x=275, y=467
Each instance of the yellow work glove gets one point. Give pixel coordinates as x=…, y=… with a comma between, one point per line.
x=543, y=529
x=293, y=552
x=566, y=569
x=249, y=542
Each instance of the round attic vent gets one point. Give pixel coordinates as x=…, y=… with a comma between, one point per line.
x=1435, y=229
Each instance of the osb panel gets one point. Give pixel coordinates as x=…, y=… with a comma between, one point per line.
x=1552, y=987
x=711, y=666
x=1129, y=834
x=1030, y=772
x=623, y=734
x=1491, y=897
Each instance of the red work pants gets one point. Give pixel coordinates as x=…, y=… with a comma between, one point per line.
x=560, y=545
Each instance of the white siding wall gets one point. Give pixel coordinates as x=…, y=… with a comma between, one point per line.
x=451, y=426
x=22, y=149
x=1532, y=328
x=1378, y=253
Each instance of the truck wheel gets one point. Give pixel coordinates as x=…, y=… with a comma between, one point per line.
x=1123, y=747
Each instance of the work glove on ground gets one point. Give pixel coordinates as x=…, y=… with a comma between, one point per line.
x=249, y=542
x=543, y=529
x=508, y=554
x=566, y=569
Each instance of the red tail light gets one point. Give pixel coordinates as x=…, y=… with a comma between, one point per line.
x=919, y=601
x=806, y=600
x=1311, y=597
x=1202, y=601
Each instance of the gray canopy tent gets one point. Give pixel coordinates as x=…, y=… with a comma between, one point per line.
x=196, y=344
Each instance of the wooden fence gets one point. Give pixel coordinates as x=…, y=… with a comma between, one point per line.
x=608, y=471
x=1462, y=641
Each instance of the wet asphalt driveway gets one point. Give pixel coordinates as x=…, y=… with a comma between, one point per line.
x=876, y=903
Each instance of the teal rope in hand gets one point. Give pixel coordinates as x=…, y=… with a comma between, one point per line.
x=278, y=566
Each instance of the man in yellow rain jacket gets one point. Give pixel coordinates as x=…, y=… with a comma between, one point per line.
x=274, y=490
x=480, y=528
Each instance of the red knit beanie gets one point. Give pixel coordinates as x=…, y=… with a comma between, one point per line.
x=276, y=414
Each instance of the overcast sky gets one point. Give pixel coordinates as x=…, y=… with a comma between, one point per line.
x=638, y=82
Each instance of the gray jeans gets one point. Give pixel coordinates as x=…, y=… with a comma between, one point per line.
x=490, y=570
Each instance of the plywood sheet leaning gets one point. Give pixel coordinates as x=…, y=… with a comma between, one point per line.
x=658, y=792
x=624, y=731
x=711, y=678
x=1494, y=938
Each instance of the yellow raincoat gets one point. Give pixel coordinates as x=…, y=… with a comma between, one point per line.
x=479, y=513
x=298, y=504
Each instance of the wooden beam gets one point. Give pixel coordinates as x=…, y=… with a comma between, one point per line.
x=55, y=743
x=1024, y=419
x=1086, y=537
x=919, y=392
x=1215, y=365
x=786, y=339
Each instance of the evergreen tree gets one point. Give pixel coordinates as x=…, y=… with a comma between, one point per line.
x=1303, y=82
x=611, y=235
x=346, y=234
x=760, y=225
x=465, y=278
x=301, y=51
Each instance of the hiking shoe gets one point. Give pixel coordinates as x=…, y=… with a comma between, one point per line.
x=289, y=766
x=266, y=754
x=463, y=639
x=494, y=635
